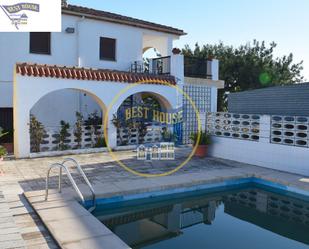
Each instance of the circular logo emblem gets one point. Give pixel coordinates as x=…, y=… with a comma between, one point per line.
x=187, y=158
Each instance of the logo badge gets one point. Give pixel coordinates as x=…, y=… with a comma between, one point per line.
x=31, y=16
x=17, y=12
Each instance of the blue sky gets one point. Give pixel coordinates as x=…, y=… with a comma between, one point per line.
x=234, y=22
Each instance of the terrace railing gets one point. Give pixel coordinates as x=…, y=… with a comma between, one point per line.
x=161, y=65
x=290, y=130
x=197, y=67
x=233, y=125
x=276, y=142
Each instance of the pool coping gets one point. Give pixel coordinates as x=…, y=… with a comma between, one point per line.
x=63, y=212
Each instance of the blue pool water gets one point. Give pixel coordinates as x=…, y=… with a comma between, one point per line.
x=238, y=215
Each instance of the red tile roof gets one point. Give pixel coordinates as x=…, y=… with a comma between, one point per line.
x=36, y=70
x=116, y=18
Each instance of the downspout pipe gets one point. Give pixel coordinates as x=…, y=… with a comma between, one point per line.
x=78, y=59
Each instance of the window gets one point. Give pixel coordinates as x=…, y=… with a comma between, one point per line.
x=40, y=42
x=107, y=49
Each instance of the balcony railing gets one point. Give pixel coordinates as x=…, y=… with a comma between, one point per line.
x=138, y=67
x=193, y=67
x=160, y=66
x=197, y=68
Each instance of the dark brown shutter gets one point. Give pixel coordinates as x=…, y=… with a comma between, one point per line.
x=40, y=42
x=107, y=49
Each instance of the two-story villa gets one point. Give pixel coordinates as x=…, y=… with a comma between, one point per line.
x=98, y=54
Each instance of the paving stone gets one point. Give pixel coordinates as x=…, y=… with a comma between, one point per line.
x=103, y=242
x=72, y=210
x=70, y=230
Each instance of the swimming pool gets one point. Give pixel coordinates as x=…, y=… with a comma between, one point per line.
x=237, y=214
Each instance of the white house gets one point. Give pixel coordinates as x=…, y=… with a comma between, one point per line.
x=82, y=68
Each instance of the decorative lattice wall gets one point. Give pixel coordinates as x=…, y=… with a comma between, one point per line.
x=130, y=136
x=232, y=125
x=201, y=96
x=89, y=138
x=290, y=130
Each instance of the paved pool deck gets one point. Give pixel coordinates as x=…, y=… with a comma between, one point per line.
x=27, y=221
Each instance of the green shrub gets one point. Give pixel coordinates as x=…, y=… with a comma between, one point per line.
x=205, y=138
x=36, y=134
x=101, y=143
x=78, y=130
x=2, y=134
x=3, y=151
x=63, y=134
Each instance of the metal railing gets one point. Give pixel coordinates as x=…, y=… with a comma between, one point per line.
x=61, y=167
x=138, y=67
x=161, y=65
x=197, y=67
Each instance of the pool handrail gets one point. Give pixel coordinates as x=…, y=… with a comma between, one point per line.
x=80, y=170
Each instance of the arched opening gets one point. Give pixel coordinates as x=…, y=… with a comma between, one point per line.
x=144, y=117
x=150, y=54
x=67, y=119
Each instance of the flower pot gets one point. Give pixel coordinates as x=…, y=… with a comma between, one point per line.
x=9, y=147
x=176, y=51
x=201, y=150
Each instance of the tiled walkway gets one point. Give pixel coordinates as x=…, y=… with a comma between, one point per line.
x=26, y=229
x=10, y=236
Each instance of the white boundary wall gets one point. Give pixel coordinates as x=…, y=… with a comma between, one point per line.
x=262, y=153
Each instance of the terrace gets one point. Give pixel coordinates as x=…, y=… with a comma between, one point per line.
x=62, y=212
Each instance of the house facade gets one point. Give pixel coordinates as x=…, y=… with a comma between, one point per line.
x=97, y=55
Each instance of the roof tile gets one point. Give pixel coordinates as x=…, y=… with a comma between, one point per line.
x=116, y=18
x=38, y=70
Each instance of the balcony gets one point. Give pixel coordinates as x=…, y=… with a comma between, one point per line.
x=193, y=67
x=197, y=68
x=158, y=66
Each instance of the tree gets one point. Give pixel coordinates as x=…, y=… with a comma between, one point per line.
x=249, y=66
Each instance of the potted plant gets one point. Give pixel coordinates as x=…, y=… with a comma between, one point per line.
x=204, y=141
x=176, y=51
x=3, y=151
x=7, y=141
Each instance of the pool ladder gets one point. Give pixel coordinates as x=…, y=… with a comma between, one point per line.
x=61, y=167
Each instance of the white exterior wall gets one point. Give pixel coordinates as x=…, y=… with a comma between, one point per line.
x=78, y=49
x=262, y=153
x=25, y=98
x=50, y=112
x=214, y=90
x=281, y=157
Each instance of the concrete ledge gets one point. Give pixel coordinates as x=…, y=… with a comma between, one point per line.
x=205, y=82
x=67, y=152
x=79, y=151
x=71, y=225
